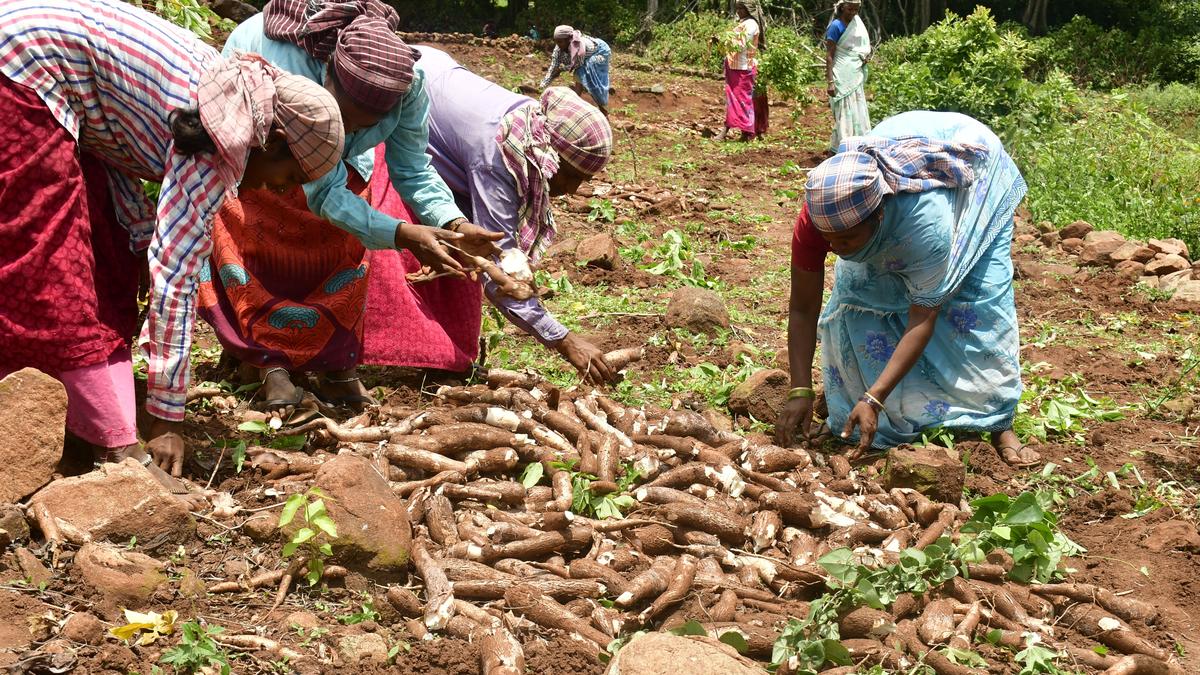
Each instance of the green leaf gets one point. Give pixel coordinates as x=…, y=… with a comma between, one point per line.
x=532, y=475
x=326, y=525
x=239, y=456
x=304, y=534
x=289, y=549
x=734, y=639
x=288, y=442
x=836, y=653
x=290, y=508
x=314, y=509
x=692, y=627
x=1025, y=510
x=316, y=567
x=965, y=657
x=839, y=564
x=255, y=426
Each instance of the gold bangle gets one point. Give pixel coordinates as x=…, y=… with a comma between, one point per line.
x=872, y=401
x=801, y=392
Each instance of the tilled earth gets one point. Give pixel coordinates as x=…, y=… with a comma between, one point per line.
x=1138, y=525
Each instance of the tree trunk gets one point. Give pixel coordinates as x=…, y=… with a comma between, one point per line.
x=1035, y=16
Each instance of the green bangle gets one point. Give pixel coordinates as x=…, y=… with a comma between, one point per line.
x=801, y=392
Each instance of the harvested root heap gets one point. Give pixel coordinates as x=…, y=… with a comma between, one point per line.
x=535, y=508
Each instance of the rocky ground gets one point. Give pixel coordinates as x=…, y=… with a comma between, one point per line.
x=680, y=248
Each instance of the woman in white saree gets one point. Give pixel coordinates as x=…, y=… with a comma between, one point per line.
x=848, y=47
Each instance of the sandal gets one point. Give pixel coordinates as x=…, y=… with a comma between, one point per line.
x=279, y=403
x=354, y=401
x=1019, y=456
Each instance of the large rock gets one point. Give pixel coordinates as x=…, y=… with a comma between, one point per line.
x=125, y=577
x=697, y=309
x=761, y=396
x=1169, y=247
x=1076, y=230
x=1168, y=264
x=32, y=568
x=1173, y=535
x=116, y=502
x=1170, y=283
x=1187, y=294
x=598, y=250
x=33, y=418
x=937, y=473
x=83, y=628
x=1130, y=269
x=666, y=654
x=12, y=520
x=1071, y=245
x=371, y=520
x=367, y=648
x=1031, y=269
x=1098, y=247
x=1051, y=239
x=1131, y=250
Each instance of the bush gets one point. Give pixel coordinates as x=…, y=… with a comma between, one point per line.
x=686, y=41
x=1105, y=59
x=1175, y=106
x=971, y=66
x=784, y=68
x=1117, y=169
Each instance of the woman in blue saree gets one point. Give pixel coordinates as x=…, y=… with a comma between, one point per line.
x=920, y=331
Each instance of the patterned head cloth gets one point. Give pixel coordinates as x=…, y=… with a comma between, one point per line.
x=755, y=11
x=579, y=132
x=242, y=98
x=371, y=63
x=563, y=32
x=311, y=122
x=531, y=160
x=847, y=188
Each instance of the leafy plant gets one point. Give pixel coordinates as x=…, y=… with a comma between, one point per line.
x=676, y=258
x=602, y=210
x=366, y=612
x=1025, y=529
x=587, y=504
x=785, y=67
x=197, y=649
x=1050, y=407
x=315, y=538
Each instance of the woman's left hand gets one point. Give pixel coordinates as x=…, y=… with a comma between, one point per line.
x=866, y=419
x=475, y=239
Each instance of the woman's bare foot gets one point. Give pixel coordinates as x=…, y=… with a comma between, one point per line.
x=1013, y=451
x=278, y=393
x=345, y=388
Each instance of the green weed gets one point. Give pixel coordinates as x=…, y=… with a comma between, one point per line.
x=1059, y=408
x=315, y=538
x=197, y=649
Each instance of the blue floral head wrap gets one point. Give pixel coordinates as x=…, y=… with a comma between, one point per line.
x=847, y=188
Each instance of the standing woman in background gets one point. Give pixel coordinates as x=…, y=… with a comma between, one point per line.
x=848, y=46
x=586, y=56
x=741, y=46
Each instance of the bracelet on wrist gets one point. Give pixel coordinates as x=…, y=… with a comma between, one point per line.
x=801, y=392
x=870, y=400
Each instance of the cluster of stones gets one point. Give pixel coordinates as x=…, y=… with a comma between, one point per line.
x=1162, y=264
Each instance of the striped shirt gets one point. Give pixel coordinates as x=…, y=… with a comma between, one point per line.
x=111, y=74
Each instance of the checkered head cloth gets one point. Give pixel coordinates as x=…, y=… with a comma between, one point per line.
x=847, y=188
x=579, y=132
x=311, y=122
x=372, y=64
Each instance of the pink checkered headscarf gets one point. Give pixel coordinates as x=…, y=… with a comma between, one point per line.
x=579, y=132
x=531, y=160
x=358, y=37
x=242, y=98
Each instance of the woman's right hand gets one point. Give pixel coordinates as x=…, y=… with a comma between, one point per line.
x=831, y=90
x=796, y=416
x=426, y=244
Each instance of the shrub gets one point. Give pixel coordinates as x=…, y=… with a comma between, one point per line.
x=686, y=41
x=785, y=66
x=1175, y=106
x=1117, y=169
x=969, y=65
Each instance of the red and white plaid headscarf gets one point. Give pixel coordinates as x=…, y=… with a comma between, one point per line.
x=579, y=132
x=531, y=160
x=242, y=98
x=372, y=64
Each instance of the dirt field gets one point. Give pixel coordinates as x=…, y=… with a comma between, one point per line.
x=734, y=205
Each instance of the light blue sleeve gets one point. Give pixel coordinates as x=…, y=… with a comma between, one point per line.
x=411, y=168
x=329, y=198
